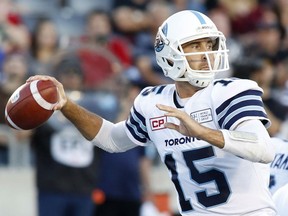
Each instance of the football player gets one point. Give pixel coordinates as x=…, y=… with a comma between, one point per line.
x=279, y=166
x=210, y=133
x=280, y=197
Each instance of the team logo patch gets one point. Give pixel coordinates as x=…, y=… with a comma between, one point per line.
x=202, y=116
x=157, y=123
x=159, y=44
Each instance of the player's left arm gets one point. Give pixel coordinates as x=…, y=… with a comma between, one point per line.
x=250, y=139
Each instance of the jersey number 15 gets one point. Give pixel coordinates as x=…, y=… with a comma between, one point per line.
x=200, y=178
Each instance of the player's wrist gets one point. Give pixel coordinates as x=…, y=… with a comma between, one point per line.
x=66, y=105
x=211, y=136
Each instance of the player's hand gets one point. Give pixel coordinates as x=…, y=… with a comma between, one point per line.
x=62, y=99
x=188, y=126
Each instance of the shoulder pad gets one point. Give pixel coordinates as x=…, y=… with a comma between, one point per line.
x=224, y=89
x=236, y=100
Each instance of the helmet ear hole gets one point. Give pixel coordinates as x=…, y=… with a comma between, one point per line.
x=171, y=63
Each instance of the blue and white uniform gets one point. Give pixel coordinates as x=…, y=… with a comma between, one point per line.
x=207, y=179
x=279, y=166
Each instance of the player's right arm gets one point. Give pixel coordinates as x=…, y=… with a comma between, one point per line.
x=104, y=134
x=86, y=122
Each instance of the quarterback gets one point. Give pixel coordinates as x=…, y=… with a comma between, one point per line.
x=210, y=133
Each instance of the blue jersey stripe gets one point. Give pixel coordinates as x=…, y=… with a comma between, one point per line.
x=249, y=109
x=137, y=126
x=134, y=134
x=247, y=103
x=240, y=107
x=160, y=89
x=244, y=114
x=138, y=118
x=200, y=17
x=242, y=101
x=240, y=95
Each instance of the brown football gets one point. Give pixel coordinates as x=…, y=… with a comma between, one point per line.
x=31, y=104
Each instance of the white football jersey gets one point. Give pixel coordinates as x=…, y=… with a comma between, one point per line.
x=279, y=166
x=208, y=180
x=280, y=198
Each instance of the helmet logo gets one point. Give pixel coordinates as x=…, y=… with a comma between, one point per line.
x=159, y=42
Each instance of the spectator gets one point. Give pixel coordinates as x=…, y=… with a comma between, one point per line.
x=280, y=89
x=269, y=34
x=221, y=18
x=282, y=9
x=44, y=47
x=14, y=73
x=144, y=55
x=66, y=164
x=123, y=177
x=120, y=183
x=280, y=82
x=14, y=35
x=104, y=54
x=130, y=18
x=261, y=71
x=244, y=15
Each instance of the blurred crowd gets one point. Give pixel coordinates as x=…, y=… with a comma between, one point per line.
x=104, y=50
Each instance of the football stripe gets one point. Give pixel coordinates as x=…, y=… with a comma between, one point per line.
x=38, y=98
x=11, y=122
